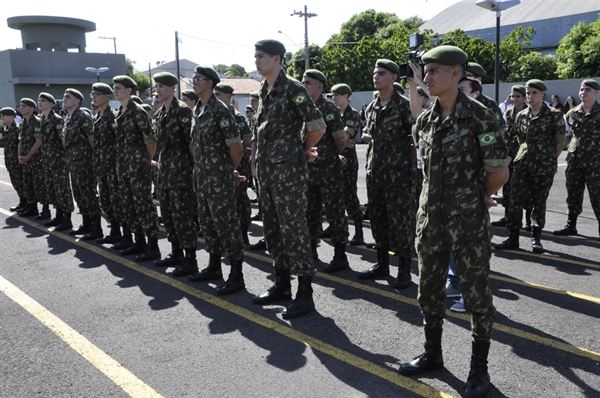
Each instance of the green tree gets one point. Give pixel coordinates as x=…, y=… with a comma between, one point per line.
x=367, y=23
x=234, y=70
x=296, y=65
x=142, y=81
x=579, y=51
x=534, y=66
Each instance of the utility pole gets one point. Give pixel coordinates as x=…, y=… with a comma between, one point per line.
x=306, y=15
x=114, y=39
x=177, y=64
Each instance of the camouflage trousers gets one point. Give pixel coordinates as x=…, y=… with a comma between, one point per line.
x=327, y=191
x=84, y=183
x=528, y=191
x=350, y=184
x=108, y=187
x=178, y=211
x=285, y=228
x=473, y=267
x=243, y=209
x=34, y=182
x=578, y=177
x=393, y=218
x=58, y=187
x=138, y=208
x=15, y=173
x=219, y=223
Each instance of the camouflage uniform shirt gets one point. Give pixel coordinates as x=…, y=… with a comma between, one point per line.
x=585, y=142
x=54, y=152
x=30, y=130
x=79, y=134
x=134, y=132
x=105, y=137
x=11, y=145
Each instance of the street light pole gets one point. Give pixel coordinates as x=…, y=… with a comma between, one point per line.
x=97, y=71
x=306, y=15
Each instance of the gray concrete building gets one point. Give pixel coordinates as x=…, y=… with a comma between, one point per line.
x=52, y=58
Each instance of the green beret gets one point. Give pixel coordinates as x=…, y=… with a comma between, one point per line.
x=476, y=69
x=316, y=74
x=166, y=78
x=8, y=111
x=137, y=99
x=445, y=55
x=341, y=88
x=190, y=94
x=224, y=88
x=102, y=87
x=519, y=89
x=422, y=92
x=388, y=65
x=48, y=97
x=146, y=107
x=538, y=84
x=591, y=83
x=272, y=47
x=28, y=102
x=255, y=94
x=208, y=72
x=398, y=87
x=125, y=80
x=75, y=92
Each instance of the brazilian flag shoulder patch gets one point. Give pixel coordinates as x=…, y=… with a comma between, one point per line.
x=329, y=117
x=224, y=123
x=300, y=99
x=350, y=123
x=486, y=139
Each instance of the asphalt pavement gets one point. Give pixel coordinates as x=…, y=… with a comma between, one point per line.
x=78, y=319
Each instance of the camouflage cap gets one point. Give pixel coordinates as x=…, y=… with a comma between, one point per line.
x=48, y=97
x=102, y=87
x=224, y=88
x=537, y=84
x=76, y=93
x=591, y=83
x=166, y=78
x=476, y=69
x=125, y=80
x=190, y=94
x=316, y=74
x=519, y=89
x=137, y=99
x=388, y=65
x=398, y=87
x=445, y=55
x=270, y=46
x=341, y=88
x=28, y=102
x=208, y=72
x=8, y=111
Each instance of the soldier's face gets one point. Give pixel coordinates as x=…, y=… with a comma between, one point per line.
x=99, y=99
x=440, y=78
x=535, y=96
x=517, y=98
x=465, y=87
x=25, y=109
x=587, y=94
x=189, y=102
x=313, y=86
x=69, y=101
x=8, y=120
x=339, y=99
x=224, y=97
x=265, y=63
x=383, y=78
x=164, y=93
x=44, y=104
x=201, y=83
x=120, y=91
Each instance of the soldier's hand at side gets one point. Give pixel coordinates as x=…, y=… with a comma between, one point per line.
x=23, y=159
x=311, y=154
x=238, y=178
x=490, y=202
x=154, y=165
x=343, y=160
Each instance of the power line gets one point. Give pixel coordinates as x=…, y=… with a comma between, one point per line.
x=217, y=42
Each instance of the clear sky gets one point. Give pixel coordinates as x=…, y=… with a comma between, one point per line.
x=216, y=32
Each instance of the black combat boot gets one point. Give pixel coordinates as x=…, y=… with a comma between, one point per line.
x=113, y=236
x=212, y=272
x=431, y=359
x=404, y=278
x=569, y=229
x=326, y=233
x=20, y=206
x=235, y=282
x=45, y=214
x=29, y=211
x=379, y=270
x=83, y=228
x=358, y=238
x=528, y=227
x=281, y=290
x=126, y=241
x=138, y=248
x=174, y=258
x=244, y=228
x=536, y=245
x=340, y=260
x=303, y=303
x=499, y=223
x=56, y=221
x=66, y=222
x=313, y=249
x=478, y=382
x=512, y=243
x=189, y=265
x=95, y=229
x=152, y=251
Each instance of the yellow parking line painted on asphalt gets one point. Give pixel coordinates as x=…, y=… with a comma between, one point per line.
x=279, y=327
x=555, y=258
x=104, y=363
x=547, y=288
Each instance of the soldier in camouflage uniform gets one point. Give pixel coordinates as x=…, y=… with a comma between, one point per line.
x=476, y=71
x=218, y=150
x=325, y=175
x=540, y=130
x=58, y=186
x=136, y=145
x=282, y=153
x=78, y=140
x=11, y=155
x=175, y=174
x=351, y=119
x=583, y=168
x=223, y=92
x=30, y=158
x=391, y=176
x=464, y=163
x=105, y=154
